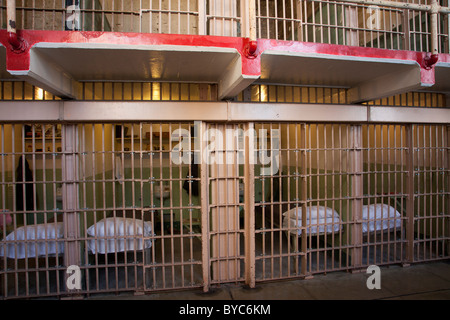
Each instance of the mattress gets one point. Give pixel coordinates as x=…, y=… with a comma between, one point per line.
x=34, y=241
x=119, y=235
x=319, y=220
x=380, y=217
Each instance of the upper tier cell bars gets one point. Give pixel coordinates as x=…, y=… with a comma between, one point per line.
x=338, y=22
x=319, y=21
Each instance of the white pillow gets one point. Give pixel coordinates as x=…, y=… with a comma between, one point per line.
x=108, y=232
x=380, y=217
x=44, y=232
x=315, y=212
x=322, y=220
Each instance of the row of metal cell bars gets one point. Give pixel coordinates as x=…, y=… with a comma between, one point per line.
x=144, y=180
x=145, y=16
x=31, y=210
x=385, y=153
x=320, y=21
x=337, y=22
x=117, y=91
x=131, y=207
x=302, y=209
x=300, y=94
x=146, y=91
x=126, y=211
x=349, y=196
x=431, y=192
x=154, y=91
x=212, y=17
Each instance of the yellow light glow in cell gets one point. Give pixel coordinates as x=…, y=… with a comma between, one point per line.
x=263, y=93
x=156, y=91
x=39, y=94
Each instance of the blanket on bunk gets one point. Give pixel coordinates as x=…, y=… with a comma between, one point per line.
x=119, y=235
x=319, y=220
x=33, y=241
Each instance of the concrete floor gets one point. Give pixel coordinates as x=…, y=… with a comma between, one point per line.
x=428, y=281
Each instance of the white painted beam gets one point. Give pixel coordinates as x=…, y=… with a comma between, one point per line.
x=409, y=115
x=105, y=111
x=30, y=110
x=387, y=85
x=233, y=81
x=153, y=111
x=47, y=75
x=241, y=111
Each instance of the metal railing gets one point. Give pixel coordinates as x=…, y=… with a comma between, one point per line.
x=404, y=25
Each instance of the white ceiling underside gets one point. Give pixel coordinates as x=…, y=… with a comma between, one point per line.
x=55, y=67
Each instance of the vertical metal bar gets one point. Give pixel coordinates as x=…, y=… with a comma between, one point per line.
x=410, y=194
x=252, y=20
x=318, y=184
x=304, y=145
x=249, y=198
x=403, y=186
x=382, y=169
x=200, y=143
x=447, y=31
x=423, y=191
x=428, y=149
x=434, y=25
x=70, y=195
x=447, y=186
x=3, y=205
x=299, y=15
x=355, y=147
x=351, y=13
x=267, y=19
